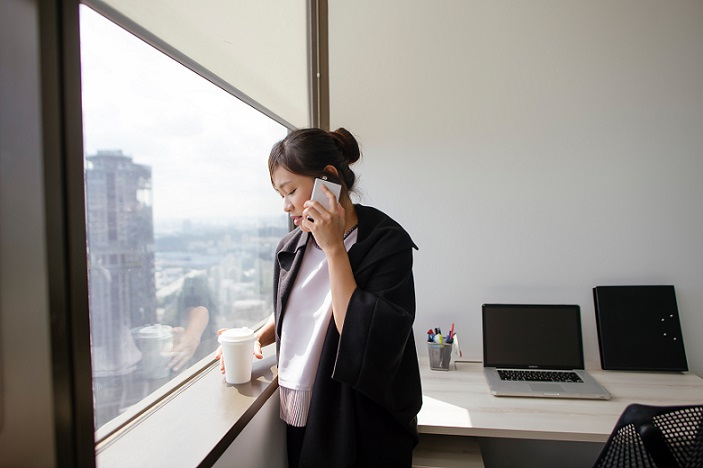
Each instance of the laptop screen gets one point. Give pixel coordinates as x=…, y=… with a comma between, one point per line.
x=528, y=336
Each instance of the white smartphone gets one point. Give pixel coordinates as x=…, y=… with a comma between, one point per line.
x=319, y=195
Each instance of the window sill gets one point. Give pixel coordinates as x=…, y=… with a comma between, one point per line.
x=193, y=426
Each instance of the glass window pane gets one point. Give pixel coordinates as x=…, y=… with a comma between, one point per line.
x=181, y=218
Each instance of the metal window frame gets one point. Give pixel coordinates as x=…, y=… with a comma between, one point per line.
x=318, y=53
x=62, y=135
x=62, y=129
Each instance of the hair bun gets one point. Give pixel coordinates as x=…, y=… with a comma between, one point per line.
x=347, y=144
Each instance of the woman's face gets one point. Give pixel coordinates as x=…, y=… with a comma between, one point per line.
x=295, y=190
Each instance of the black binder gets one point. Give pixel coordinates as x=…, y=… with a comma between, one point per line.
x=639, y=328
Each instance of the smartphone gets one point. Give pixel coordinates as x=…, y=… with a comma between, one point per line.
x=319, y=195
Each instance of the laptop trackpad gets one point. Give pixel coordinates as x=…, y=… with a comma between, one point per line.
x=547, y=387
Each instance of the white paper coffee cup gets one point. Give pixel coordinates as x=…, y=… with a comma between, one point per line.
x=238, y=353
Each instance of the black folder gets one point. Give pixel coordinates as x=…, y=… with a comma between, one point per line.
x=639, y=328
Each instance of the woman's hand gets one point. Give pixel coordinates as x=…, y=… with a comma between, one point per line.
x=218, y=354
x=326, y=223
x=258, y=354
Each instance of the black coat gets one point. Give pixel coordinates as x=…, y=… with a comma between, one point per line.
x=367, y=392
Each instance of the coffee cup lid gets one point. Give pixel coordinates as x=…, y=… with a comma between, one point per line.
x=237, y=335
x=155, y=331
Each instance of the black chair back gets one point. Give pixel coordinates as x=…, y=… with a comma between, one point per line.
x=655, y=436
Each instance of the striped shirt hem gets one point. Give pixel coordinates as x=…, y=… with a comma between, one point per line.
x=295, y=405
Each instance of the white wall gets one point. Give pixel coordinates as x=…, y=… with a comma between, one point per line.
x=533, y=149
x=262, y=443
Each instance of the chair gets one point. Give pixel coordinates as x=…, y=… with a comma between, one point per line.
x=655, y=436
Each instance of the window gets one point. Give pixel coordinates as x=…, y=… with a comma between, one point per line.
x=181, y=218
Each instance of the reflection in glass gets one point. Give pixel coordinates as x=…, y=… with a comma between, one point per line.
x=181, y=219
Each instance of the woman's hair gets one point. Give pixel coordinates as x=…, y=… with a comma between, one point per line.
x=308, y=151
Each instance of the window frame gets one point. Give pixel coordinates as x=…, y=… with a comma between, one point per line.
x=62, y=133
x=181, y=383
x=62, y=140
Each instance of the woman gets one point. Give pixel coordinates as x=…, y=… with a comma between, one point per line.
x=344, y=307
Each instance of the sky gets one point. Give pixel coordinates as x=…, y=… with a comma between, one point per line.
x=207, y=149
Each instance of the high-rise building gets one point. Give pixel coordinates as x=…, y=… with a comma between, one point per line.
x=120, y=234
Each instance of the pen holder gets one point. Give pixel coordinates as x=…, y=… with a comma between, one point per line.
x=440, y=355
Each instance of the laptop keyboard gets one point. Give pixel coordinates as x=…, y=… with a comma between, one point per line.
x=539, y=376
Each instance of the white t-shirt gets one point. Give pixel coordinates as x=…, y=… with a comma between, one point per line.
x=305, y=324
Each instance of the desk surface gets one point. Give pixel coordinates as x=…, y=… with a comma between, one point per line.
x=458, y=402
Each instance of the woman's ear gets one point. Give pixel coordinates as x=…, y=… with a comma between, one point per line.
x=335, y=177
x=330, y=169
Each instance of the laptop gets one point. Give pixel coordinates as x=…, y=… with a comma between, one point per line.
x=532, y=350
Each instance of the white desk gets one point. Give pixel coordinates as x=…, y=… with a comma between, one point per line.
x=458, y=402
